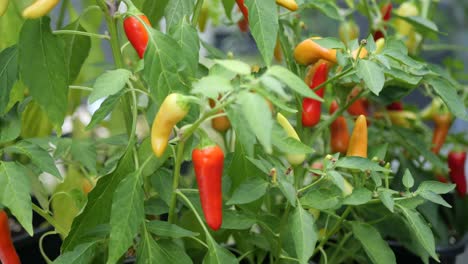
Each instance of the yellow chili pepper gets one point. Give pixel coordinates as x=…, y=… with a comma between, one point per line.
x=294, y=159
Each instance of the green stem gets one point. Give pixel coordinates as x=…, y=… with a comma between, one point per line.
x=282, y=225
x=333, y=230
x=175, y=180
x=178, y=192
x=49, y=219
x=63, y=9
x=41, y=249
x=340, y=246
x=338, y=76
x=82, y=33
x=196, y=12
x=310, y=185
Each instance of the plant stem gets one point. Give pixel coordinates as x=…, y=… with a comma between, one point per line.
x=49, y=219
x=196, y=12
x=63, y=9
x=82, y=33
x=310, y=185
x=194, y=212
x=175, y=180
x=341, y=75
x=340, y=246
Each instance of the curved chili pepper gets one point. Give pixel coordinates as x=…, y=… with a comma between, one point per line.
x=294, y=159
x=173, y=109
x=243, y=9
x=339, y=134
x=442, y=126
x=456, y=164
x=386, y=12
x=288, y=4
x=208, y=163
x=220, y=123
x=8, y=253
x=309, y=52
x=3, y=7
x=136, y=33
x=311, y=108
x=358, y=142
x=39, y=8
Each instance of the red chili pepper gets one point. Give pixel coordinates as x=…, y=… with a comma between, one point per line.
x=243, y=9
x=8, y=253
x=456, y=163
x=359, y=107
x=311, y=108
x=441, y=129
x=395, y=106
x=441, y=178
x=136, y=33
x=208, y=163
x=386, y=12
x=339, y=134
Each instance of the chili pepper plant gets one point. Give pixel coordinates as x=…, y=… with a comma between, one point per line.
x=304, y=153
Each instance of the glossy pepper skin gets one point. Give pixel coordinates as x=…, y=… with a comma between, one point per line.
x=339, y=134
x=288, y=4
x=208, y=164
x=442, y=125
x=293, y=159
x=309, y=52
x=3, y=6
x=8, y=253
x=386, y=12
x=359, y=107
x=456, y=164
x=220, y=123
x=311, y=108
x=39, y=8
x=358, y=142
x=137, y=34
x=173, y=109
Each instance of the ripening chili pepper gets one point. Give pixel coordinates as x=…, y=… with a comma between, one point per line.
x=3, y=6
x=288, y=4
x=431, y=110
x=294, y=159
x=456, y=164
x=359, y=107
x=309, y=52
x=386, y=12
x=379, y=45
x=278, y=54
x=348, y=31
x=358, y=142
x=136, y=33
x=39, y=8
x=311, y=108
x=339, y=134
x=220, y=123
x=399, y=117
x=442, y=125
x=362, y=53
x=8, y=253
x=173, y=109
x=312, y=69
x=208, y=163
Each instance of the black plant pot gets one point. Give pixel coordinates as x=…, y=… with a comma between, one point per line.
x=28, y=247
x=447, y=254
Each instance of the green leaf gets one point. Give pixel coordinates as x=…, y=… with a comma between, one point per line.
x=421, y=24
x=163, y=251
x=77, y=49
x=263, y=23
x=408, y=180
x=358, y=197
x=420, y=229
x=372, y=75
x=322, y=199
x=385, y=196
x=288, y=144
x=39, y=157
x=10, y=126
x=288, y=190
x=358, y=163
x=337, y=179
x=43, y=68
x=104, y=110
x=258, y=115
x=328, y=8
x=82, y=254
x=109, y=83
x=436, y=187
x=98, y=208
x=164, y=65
x=330, y=43
x=154, y=10
x=376, y=248
x=166, y=229
x=127, y=215
x=236, y=66
x=8, y=74
x=236, y=220
x=212, y=86
x=187, y=37
x=14, y=193
x=228, y=5
x=244, y=134
x=303, y=234
x=433, y=197
x=176, y=11
x=250, y=190
x=449, y=95
x=293, y=81
x=218, y=255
